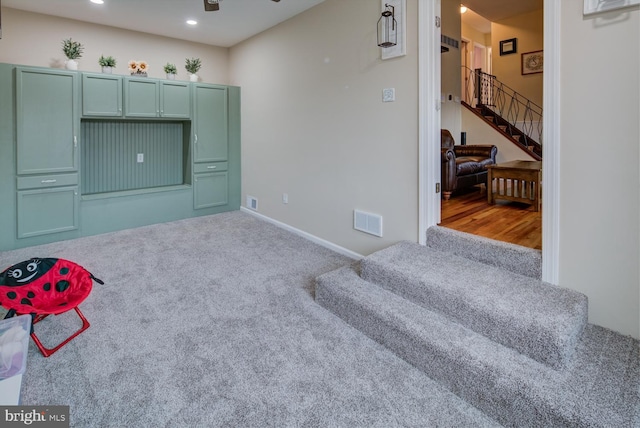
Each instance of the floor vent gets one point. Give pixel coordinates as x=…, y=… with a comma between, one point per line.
x=252, y=203
x=367, y=223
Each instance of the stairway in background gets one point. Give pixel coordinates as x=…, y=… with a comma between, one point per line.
x=510, y=131
x=473, y=314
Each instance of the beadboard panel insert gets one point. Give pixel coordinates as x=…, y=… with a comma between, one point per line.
x=111, y=152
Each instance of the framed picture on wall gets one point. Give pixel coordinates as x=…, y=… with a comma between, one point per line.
x=509, y=46
x=532, y=62
x=596, y=6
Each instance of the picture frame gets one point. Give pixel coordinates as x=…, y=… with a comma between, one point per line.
x=532, y=62
x=400, y=6
x=596, y=6
x=509, y=46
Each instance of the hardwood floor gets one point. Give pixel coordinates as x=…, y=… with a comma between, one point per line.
x=517, y=223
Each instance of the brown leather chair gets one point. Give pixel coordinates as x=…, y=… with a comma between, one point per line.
x=463, y=166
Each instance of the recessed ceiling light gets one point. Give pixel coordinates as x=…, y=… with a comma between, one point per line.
x=463, y=9
x=97, y=1
x=192, y=22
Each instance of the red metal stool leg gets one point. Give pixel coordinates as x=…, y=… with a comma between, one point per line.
x=48, y=351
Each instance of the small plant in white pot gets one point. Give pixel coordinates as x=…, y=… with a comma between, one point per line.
x=193, y=66
x=72, y=50
x=108, y=63
x=171, y=71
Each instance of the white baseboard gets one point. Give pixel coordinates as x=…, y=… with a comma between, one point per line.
x=324, y=243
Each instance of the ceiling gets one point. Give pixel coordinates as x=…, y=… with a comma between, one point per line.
x=236, y=20
x=497, y=10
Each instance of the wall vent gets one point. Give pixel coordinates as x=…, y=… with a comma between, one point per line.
x=449, y=41
x=367, y=223
x=252, y=203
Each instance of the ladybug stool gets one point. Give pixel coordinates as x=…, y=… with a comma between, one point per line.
x=43, y=287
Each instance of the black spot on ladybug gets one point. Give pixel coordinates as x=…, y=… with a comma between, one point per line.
x=25, y=301
x=64, y=271
x=12, y=295
x=47, y=286
x=31, y=294
x=63, y=304
x=62, y=285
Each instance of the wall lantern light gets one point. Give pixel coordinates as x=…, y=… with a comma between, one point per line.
x=387, y=28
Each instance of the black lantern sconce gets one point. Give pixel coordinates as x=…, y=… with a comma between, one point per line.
x=387, y=28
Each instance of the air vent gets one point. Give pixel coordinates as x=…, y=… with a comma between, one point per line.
x=367, y=223
x=448, y=41
x=252, y=203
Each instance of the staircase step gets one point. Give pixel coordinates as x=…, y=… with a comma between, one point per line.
x=600, y=389
x=514, y=258
x=537, y=319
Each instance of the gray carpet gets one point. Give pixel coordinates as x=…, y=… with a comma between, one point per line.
x=211, y=322
x=601, y=388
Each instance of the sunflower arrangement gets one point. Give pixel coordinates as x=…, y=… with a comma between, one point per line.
x=138, y=67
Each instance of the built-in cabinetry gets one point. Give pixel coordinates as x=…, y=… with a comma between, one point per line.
x=103, y=94
x=210, y=145
x=99, y=152
x=47, y=126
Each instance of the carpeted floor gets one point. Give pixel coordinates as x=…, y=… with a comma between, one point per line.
x=211, y=322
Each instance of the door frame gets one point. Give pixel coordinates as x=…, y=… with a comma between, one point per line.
x=429, y=129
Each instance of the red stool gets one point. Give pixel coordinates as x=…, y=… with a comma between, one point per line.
x=43, y=287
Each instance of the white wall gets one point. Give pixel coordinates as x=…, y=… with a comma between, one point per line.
x=451, y=82
x=478, y=132
x=600, y=163
x=35, y=39
x=315, y=127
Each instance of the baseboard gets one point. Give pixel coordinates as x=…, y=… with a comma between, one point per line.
x=322, y=242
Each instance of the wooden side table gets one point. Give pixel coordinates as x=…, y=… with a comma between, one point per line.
x=515, y=181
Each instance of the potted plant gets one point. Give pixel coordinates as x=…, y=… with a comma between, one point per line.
x=107, y=63
x=72, y=50
x=192, y=66
x=171, y=71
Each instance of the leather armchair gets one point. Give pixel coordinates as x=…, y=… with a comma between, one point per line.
x=464, y=166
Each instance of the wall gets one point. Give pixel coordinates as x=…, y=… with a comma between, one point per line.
x=600, y=163
x=451, y=82
x=479, y=133
x=34, y=39
x=528, y=29
x=314, y=125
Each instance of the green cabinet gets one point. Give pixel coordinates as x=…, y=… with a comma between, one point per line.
x=101, y=95
x=154, y=98
x=47, y=120
x=142, y=98
x=175, y=99
x=210, y=189
x=210, y=123
x=47, y=210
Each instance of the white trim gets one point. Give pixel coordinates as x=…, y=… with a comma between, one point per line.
x=330, y=245
x=551, y=139
x=428, y=117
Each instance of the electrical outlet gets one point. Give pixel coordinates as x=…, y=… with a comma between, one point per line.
x=388, y=95
x=285, y=198
x=140, y=158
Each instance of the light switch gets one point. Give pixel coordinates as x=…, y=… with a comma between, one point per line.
x=140, y=158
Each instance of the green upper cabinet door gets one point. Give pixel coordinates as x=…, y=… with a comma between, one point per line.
x=210, y=125
x=101, y=95
x=142, y=97
x=175, y=99
x=47, y=120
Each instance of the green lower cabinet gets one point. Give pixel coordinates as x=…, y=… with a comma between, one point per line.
x=210, y=190
x=44, y=211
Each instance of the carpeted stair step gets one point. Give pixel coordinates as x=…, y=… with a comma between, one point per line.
x=532, y=317
x=514, y=258
x=508, y=386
